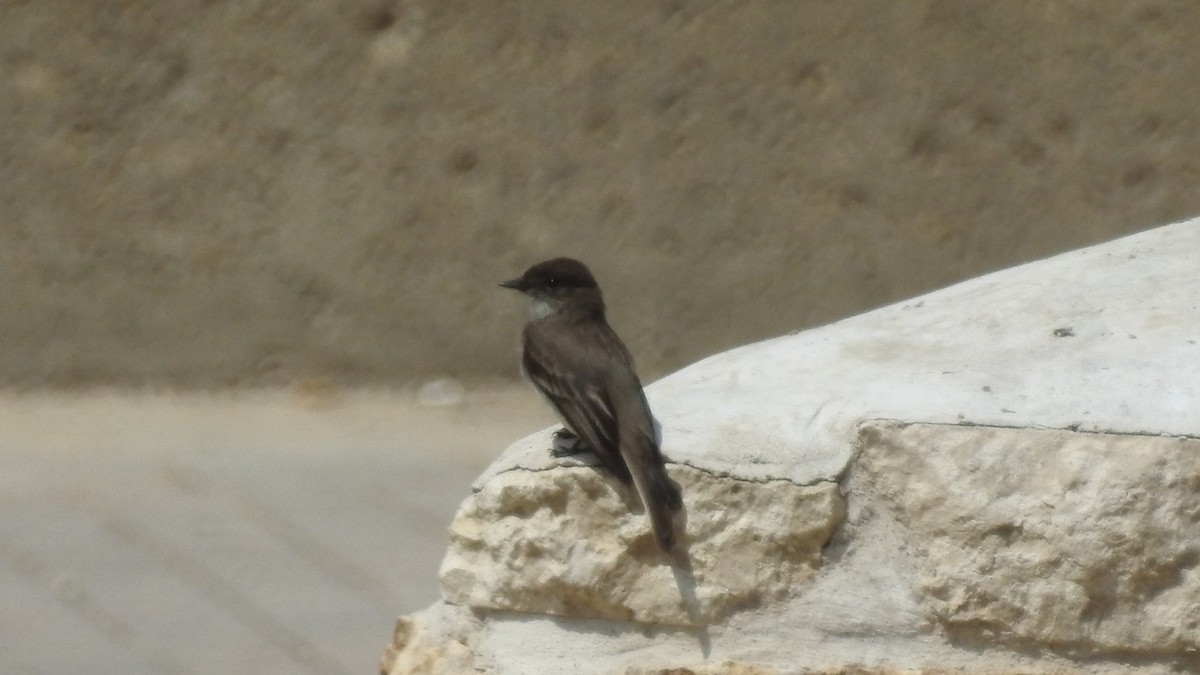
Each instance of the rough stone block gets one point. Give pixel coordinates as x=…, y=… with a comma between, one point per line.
x=516, y=545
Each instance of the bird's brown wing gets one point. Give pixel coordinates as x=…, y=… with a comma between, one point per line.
x=587, y=374
x=575, y=383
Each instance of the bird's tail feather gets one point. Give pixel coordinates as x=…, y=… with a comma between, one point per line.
x=660, y=495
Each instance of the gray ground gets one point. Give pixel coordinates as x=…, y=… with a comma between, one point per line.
x=266, y=533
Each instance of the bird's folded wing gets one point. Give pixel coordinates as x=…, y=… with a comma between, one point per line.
x=578, y=390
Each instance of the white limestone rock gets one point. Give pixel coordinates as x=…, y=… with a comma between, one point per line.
x=437, y=647
x=1018, y=457
x=1047, y=537
x=516, y=544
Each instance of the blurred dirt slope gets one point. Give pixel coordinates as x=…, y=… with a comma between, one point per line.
x=228, y=193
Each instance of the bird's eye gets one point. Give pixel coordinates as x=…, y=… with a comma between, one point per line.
x=552, y=282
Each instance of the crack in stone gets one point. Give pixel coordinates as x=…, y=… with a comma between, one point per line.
x=707, y=472
x=1029, y=427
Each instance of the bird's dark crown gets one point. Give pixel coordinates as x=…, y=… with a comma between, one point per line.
x=559, y=273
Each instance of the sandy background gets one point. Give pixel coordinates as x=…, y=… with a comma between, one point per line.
x=317, y=199
x=204, y=194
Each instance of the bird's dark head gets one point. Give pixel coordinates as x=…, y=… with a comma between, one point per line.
x=561, y=284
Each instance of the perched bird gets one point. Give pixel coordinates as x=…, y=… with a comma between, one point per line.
x=578, y=363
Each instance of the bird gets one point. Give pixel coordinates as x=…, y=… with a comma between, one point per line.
x=578, y=363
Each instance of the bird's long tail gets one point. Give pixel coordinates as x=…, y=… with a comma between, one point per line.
x=659, y=494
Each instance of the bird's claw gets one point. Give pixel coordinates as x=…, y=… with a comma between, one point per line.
x=567, y=444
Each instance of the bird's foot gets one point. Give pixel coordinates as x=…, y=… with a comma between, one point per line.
x=567, y=444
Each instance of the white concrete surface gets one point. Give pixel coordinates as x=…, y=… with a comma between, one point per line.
x=1105, y=338
x=267, y=533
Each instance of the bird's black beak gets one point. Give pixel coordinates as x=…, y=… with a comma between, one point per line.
x=514, y=284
